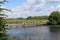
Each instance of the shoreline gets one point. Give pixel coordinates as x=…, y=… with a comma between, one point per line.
x=11, y=26
x=30, y=24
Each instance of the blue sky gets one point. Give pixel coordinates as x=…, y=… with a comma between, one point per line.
x=13, y=3
x=25, y=8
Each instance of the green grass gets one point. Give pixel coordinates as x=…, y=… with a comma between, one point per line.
x=13, y=21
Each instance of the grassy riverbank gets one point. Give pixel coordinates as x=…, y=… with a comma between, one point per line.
x=18, y=21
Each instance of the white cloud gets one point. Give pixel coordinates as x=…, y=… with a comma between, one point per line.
x=28, y=8
x=58, y=6
x=1, y=0
x=53, y=0
x=30, y=1
x=32, y=8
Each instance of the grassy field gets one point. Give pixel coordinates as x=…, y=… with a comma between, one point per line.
x=18, y=21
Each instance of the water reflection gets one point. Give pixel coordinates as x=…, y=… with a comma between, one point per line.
x=55, y=32
x=34, y=33
x=55, y=28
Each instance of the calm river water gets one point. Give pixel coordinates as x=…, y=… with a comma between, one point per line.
x=33, y=33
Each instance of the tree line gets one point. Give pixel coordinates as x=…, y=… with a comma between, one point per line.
x=35, y=17
x=53, y=19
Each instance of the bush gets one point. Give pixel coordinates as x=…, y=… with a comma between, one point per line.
x=3, y=35
x=54, y=18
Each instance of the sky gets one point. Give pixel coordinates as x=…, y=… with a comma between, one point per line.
x=25, y=8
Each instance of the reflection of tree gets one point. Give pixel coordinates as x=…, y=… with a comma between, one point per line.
x=54, y=28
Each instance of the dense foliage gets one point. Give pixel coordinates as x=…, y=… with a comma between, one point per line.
x=54, y=18
x=3, y=35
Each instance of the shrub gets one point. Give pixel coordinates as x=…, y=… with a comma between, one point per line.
x=54, y=18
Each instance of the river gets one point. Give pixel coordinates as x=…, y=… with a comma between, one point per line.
x=33, y=33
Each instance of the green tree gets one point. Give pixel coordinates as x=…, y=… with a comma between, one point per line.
x=37, y=17
x=54, y=18
x=3, y=35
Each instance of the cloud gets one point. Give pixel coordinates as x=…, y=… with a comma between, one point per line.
x=53, y=0
x=1, y=0
x=32, y=8
x=58, y=7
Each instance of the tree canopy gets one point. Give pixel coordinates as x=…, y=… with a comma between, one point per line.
x=3, y=35
x=54, y=18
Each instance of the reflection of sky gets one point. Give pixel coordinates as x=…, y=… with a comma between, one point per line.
x=34, y=33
